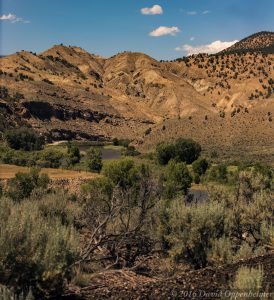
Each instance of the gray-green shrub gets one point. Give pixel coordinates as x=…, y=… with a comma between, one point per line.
x=35, y=252
x=231, y=225
x=248, y=280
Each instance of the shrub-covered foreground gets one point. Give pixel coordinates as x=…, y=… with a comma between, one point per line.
x=228, y=227
x=37, y=248
x=49, y=238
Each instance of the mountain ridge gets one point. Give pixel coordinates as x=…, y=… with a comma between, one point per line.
x=262, y=41
x=67, y=93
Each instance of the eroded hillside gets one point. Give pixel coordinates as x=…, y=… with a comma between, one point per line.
x=68, y=93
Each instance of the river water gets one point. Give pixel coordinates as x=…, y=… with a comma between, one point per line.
x=107, y=153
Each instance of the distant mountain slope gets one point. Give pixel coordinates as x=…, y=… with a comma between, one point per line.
x=68, y=93
x=261, y=42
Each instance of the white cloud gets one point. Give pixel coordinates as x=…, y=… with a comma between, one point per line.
x=9, y=17
x=192, y=13
x=13, y=18
x=192, y=38
x=154, y=10
x=214, y=47
x=163, y=30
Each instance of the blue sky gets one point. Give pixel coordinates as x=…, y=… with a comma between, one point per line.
x=106, y=27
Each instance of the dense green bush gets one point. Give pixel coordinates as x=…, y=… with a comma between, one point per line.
x=46, y=158
x=24, y=138
x=73, y=153
x=164, y=153
x=199, y=168
x=121, y=142
x=94, y=159
x=18, y=157
x=50, y=159
x=123, y=173
x=183, y=150
x=187, y=150
x=22, y=185
x=102, y=186
x=177, y=179
x=35, y=252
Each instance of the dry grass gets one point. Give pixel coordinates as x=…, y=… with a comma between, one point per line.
x=9, y=171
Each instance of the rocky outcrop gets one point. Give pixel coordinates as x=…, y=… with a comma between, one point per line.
x=44, y=110
x=66, y=134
